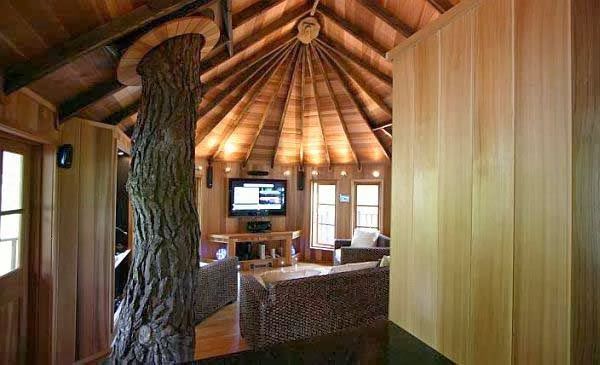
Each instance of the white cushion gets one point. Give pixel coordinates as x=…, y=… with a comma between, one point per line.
x=364, y=237
x=385, y=261
x=337, y=256
x=354, y=267
x=275, y=276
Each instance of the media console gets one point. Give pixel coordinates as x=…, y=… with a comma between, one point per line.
x=232, y=239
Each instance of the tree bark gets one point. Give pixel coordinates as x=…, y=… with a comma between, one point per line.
x=156, y=321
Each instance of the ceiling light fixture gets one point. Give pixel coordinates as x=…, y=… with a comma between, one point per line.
x=375, y=173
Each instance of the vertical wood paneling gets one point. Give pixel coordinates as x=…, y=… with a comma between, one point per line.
x=455, y=187
x=493, y=186
x=401, y=308
x=425, y=188
x=542, y=182
x=585, y=280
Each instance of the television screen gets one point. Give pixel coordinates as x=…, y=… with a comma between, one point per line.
x=253, y=197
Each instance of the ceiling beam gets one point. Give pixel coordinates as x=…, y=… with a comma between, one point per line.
x=264, y=116
x=353, y=30
x=336, y=105
x=253, y=94
x=353, y=97
x=441, y=5
x=116, y=117
x=386, y=133
x=228, y=25
x=383, y=126
x=380, y=12
x=288, y=97
x=341, y=50
x=253, y=11
x=314, y=7
x=251, y=77
x=302, y=73
x=362, y=85
x=76, y=104
x=316, y=96
x=24, y=73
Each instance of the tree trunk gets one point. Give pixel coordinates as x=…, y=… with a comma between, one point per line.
x=156, y=321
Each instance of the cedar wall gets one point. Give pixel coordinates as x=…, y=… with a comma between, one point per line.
x=212, y=203
x=495, y=183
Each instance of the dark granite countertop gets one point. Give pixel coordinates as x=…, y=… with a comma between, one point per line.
x=381, y=343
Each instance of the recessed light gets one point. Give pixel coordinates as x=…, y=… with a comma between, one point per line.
x=286, y=173
x=120, y=153
x=343, y=173
x=227, y=169
x=375, y=173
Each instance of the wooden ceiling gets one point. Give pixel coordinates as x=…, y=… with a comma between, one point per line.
x=265, y=94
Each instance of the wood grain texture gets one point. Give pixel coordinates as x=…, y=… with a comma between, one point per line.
x=455, y=188
x=493, y=186
x=22, y=115
x=585, y=271
x=542, y=183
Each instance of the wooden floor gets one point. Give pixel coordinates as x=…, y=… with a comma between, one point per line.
x=219, y=334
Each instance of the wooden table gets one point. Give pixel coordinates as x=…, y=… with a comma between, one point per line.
x=232, y=239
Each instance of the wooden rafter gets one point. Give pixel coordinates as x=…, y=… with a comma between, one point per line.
x=254, y=76
x=353, y=97
x=340, y=50
x=383, y=126
x=285, y=107
x=264, y=116
x=316, y=96
x=380, y=12
x=314, y=7
x=441, y=5
x=116, y=117
x=302, y=73
x=363, y=86
x=228, y=25
x=253, y=94
x=352, y=30
x=24, y=73
x=76, y=104
x=253, y=11
x=336, y=105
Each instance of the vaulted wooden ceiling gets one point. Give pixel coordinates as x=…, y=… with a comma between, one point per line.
x=266, y=95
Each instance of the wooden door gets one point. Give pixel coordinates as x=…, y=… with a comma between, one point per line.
x=15, y=161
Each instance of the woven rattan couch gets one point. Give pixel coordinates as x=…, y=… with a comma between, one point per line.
x=361, y=254
x=216, y=286
x=312, y=306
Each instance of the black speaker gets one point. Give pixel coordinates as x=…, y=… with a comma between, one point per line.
x=64, y=156
x=300, y=180
x=209, y=176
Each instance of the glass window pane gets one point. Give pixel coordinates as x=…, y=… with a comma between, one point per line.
x=326, y=214
x=367, y=194
x=327, y=194
x=326, y=234
x=367, y=216
x=12, y=181
x=10, y=229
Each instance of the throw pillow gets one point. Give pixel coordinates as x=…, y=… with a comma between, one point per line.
x=385, y=261
x=353, y=267
x=364, y=237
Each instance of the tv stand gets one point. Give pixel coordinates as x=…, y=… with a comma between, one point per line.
x=232, y=239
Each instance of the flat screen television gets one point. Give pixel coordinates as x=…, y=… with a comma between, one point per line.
x=257, y=197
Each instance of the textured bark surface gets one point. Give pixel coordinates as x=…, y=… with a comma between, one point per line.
x=156, y=321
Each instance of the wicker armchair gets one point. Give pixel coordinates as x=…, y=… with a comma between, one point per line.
x=216, y=286
x=312, y=306
x=361, y=254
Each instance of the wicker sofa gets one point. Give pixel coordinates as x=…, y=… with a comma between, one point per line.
x=216, y=286
x=312, y=306
x=361, y=254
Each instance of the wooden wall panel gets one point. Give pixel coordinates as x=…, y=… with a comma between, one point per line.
x=493, y=186
x=425, y=188
x=26, y=115
x=585, y=274
x=455, y=188
x=542, y=182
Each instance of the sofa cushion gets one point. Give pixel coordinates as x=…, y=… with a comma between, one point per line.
x=275, y=276
x=337, y=256
x=385, y=261
x=364, y=237
x=354, y=267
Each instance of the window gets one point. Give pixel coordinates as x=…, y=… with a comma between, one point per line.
x=323, y=215
x=11, y=210
x=366, y=212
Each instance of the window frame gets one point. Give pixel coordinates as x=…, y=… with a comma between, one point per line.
x=313, y=223
x=355, y=206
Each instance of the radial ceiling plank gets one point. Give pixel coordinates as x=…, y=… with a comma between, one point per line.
x=253, y=11
x=336, y=68
x=116, y=117
x=228, y=24
x=252, y=97
x=316, y=96
x=336, y=105
x=352, y=30
x=285, y=106
x=441, y=5
x=341, y=50
x=302, y=75
x=205, y=131
x=380, y=12
x=73, y=106
x=22, y=74
x=263, y=118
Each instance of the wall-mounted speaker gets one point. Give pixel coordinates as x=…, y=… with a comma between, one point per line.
x=209, y=176
x=300, y=180
x=258, y=173
x=64, y=156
